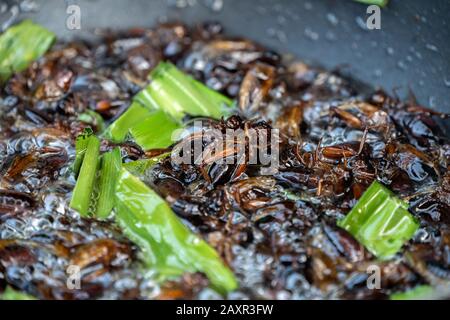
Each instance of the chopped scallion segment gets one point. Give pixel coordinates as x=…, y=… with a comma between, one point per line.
x=11, y=294
x=380, y=3
x=224, y=104
x=417, y=293
x=174, y=93
x=380, y=221
x=110, y=168
x=139, y=167
x=179, y=94
x=155, y=132
x=168, y=245
x=80, y=149
x=81, y=196
x=22, y=44
x=120, y=128
x=93, y=118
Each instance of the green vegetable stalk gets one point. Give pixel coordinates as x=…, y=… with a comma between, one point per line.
x=380, y=3
x=81, y=196
x=11, y=294
x=417, y=293
x=169, y=97
x=380, y=221
x=80, y=149
x=139, y=167
x=22, y=44
x=167, y=244
x=92, y=118
x=119, y=129
x=155, y=132
x=110, y=168
x=178, y=94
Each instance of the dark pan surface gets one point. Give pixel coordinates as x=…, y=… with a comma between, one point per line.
x=410, y=51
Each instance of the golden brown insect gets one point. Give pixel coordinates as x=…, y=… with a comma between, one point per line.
x=290, y=120
x=255, y=87
x=102, y=251
x=361, y=115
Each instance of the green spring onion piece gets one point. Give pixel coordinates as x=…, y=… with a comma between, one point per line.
x=155, y=132
x=417, y=293
x=80, y=149
x=380, y=3
x=22, y=44
x=225, y=105
x=380, y=221
x=174, y=93
x=92, y=118
x=81, y=196
x=110, y=168
x=178, y=94
x=140, y=167
x=167, y=244
x=118, y=130
x=11, y=294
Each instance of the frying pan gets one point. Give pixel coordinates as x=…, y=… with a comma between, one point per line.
x=410, y=51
